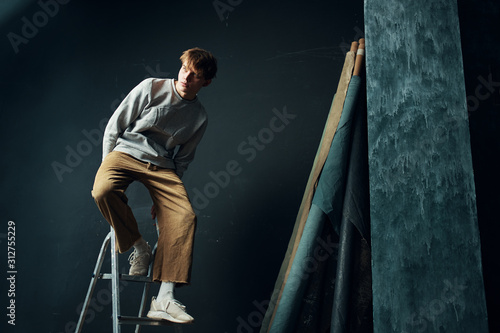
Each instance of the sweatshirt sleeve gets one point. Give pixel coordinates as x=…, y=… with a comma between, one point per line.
x=186, y=152
x=126, y=113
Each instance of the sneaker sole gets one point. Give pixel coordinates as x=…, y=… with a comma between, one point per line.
x=139, y=273
x=161, y=315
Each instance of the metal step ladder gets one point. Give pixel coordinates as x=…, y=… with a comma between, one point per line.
x=116, y=277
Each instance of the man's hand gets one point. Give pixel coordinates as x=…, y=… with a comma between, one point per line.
x=153, y=212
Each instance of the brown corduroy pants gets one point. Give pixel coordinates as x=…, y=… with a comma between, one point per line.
x=175, y=216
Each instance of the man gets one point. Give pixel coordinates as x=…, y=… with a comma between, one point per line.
x=151, y=138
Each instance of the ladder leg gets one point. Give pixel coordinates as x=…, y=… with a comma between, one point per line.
x=145, y=292
x=115, y=279
x=142, y=308
x=143, y=305
x=93, y=281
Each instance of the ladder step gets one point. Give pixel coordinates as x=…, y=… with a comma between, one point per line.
x=143, y=321
x=126, y=277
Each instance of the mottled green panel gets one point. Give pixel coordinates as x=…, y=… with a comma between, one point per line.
x=425, y=241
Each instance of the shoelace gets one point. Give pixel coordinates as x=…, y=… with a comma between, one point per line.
x=133, y=257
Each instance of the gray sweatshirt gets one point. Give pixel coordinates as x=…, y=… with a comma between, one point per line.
x=152, y=121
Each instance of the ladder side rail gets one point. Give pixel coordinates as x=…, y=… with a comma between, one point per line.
x=115, y=279
x=93, y=282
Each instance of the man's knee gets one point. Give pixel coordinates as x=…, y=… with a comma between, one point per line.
x=102, y=191
x=191, y=217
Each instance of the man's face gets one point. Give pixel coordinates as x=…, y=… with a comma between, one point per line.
x=190, y=82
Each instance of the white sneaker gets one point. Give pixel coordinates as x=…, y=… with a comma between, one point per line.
x=171, y=310
x=139, y=264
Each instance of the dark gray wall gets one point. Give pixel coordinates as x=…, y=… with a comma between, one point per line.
x=68, y=75
x=63, y=71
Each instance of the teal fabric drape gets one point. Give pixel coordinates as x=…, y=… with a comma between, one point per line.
x=329, y=131
x=291, y=300
x=329, y=195
x=353, y=274
x=308, y=296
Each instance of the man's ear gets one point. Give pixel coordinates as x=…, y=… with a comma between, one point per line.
x=207, y=82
